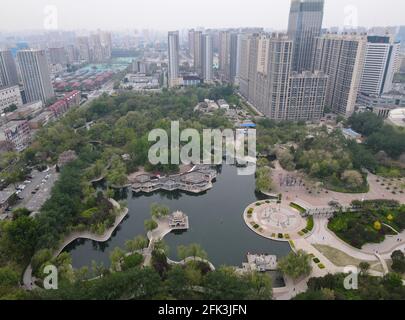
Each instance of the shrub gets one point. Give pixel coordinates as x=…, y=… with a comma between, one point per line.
x=316, y=260
x=321, y=266
x=310, y=223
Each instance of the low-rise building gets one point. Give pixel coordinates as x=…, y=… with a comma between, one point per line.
x=18, y=133
x=8, y=96
x=223, y=104
x=191, y=81
x=60, y=107
x=260, y=262
x=66, y=157
x=207, y=106
x=7, y=198
x=351, y=134
x=178, y=221
x=381, y=105
x=27, y=111
x=396, y=117
x=42, y=120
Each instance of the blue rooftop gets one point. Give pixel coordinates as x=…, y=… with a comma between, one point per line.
x=248, y=125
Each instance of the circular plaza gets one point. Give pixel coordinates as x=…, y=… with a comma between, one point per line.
x=272, y=220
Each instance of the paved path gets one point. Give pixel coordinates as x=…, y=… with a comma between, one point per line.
x=27, y=277
x=188, y=259
x=383, y=263
x=323, y=198
x=322, y=235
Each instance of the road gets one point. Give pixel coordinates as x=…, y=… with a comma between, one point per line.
x=34, y=202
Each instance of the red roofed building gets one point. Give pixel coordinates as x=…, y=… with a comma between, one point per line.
x=73, y=98
x=60, y=107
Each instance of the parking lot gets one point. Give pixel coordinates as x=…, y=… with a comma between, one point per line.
x=37, y=190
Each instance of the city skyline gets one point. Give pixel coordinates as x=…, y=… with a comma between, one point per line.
x=177, y=14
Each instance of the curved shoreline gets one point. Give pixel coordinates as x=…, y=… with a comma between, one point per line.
x=88, y=235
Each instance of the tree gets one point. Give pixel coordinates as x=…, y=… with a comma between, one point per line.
x=286, y=159
x=377, y=226
x=225, y=284
x=365, y=122
x=263, y=179
x=20, y=238
x=158, y=211
x=139, y=243
x=12, y=107
x=177, y=283
x=150, y=225
x=116, y=257
x=193, y=250
x=132, y=261
x=364, y=267
x=117, y=175
x=392, y=281
x=353, y=178
x=8, y=277
x=161, y=245
x=398, y=261
x=159, y=262
x=296, y=265
x=260, y=286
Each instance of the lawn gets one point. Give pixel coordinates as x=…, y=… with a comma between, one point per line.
x=337, y=257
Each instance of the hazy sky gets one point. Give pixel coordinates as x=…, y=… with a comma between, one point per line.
x=177, y=14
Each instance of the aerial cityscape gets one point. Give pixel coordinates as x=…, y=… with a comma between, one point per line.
x=245, y=158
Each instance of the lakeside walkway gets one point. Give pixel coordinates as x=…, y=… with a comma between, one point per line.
x=27, y=277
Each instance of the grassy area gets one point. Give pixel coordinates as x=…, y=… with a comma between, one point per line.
x=310, y=223
x=367, y=225
x=337, y=257
x=298, y=207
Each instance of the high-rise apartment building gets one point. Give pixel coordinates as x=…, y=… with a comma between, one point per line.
x=207, y=57
x=381, y=62
x=224, y=55
x=8, y=69
x=191, y=42
x=173, y=71
x=306, y=96
x=35, y=75
x=341, y=57
x=84, y=48
x=57, y=55
x=268, y=83
x=198, y=52
x=228, y=53
x=305, y=24
x=243, y=63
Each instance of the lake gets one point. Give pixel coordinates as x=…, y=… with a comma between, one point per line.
x=215, y=218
